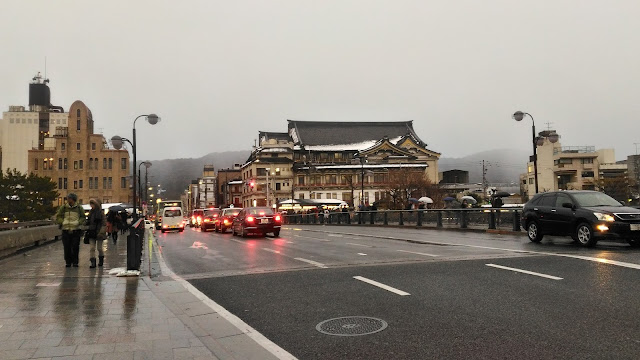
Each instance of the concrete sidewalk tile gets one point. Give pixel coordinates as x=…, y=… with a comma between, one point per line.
x=54, y=351
x=216, y=348
x=216, y=326
x=12, y=345
x=94, y=349
x=153, y=336
x=28, y=335
x=17, y=354
x=244, y=347
x=197, y=308
x=32, y=344
x=115, y=356
x=142, y=346
x=173, y=343
x=190, y=353
x=74, y=357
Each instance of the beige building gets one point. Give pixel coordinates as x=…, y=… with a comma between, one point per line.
x=23, y=129
x=80, y=161
x=568, y=167
x=326, y=161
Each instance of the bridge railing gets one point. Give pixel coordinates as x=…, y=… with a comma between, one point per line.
x=473, y=218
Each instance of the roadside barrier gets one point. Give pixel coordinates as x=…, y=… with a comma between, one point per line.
x=17, y=236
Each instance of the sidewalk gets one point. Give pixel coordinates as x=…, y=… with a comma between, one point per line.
x=48, y=311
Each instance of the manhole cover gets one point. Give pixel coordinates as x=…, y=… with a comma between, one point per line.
x=351, y=326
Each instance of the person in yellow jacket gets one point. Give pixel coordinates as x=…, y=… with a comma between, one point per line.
x=70, y=218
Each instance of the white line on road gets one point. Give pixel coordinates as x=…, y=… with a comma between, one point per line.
x=525, y=272
x=362, y=254
x=359, y=245
x=334, y=235
x=320, y=265
x=418, y=253
x=239, y=241
x=382, y=286
x=271, y=250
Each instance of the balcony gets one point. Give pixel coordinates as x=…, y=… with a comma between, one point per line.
x=574, y=150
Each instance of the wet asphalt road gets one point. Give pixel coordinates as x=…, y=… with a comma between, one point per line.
x=467, y=297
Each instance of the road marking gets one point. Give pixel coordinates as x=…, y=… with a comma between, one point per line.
x=369, y=246
x=239, y=241
x=362, y=254
x=271, y=250
x=335, y=235
x=586, y=258
x=382, y=286
x=418, y=253
x=320, y=265
x=525, y=272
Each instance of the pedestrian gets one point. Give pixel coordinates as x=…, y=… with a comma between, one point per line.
x=96, y=232
x=112, y=225
x=70, y=217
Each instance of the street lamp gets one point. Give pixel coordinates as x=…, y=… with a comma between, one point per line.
x=147, y=165
x=117, y=143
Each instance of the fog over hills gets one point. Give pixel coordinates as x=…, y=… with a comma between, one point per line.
x=174, y=175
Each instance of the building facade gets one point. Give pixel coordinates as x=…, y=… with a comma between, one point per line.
x=230, y=183
x=351, y=162
x=23, y=129
x=80, y=161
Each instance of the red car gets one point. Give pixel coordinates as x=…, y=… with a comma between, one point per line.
x=209, y=218
x=225, y=220
x=256, y=220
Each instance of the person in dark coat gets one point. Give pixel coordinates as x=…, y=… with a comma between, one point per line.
x=70, y=218
x=96, y=232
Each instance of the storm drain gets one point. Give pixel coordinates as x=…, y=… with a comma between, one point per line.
x=351, y=326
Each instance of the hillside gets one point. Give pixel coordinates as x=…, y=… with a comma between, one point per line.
x=503, y=165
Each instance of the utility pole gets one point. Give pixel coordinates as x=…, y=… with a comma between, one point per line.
x=484, y=180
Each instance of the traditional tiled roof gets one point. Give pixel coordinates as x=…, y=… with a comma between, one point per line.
x=348, y=135
x=267, y=135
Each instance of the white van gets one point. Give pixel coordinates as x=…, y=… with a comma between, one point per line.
x=172, y=219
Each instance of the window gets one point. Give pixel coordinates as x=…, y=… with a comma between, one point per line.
x=278, y=186
x=261, y=172
x=63, y=146
x=319, y=196
x=300, y=180
x=65, y=164
x=44, y=164
x=104, y=182
x=90, y=165
x=59, y=183
x=75, y=184
x=81, y=163
x=123, y=182
x=548, y=200
x=110, y=181
x=110, y=163
x=78, y=113
x=95, y=182
x=587, y=174
x=561, y=199
x=563, y=161
x=301, y=196
x=93, y=146
x=78, y=122
x=65, y=183
x=331, y=179
x=80, y=184
x=123, y=163
x=35, y=164
x=104, y=163
x=312, y=196
x=75, y=165
x=59, y=163
x=78, y=146
x=587, y=161
x=328, y=195
x=90, y=182
x=531, y=181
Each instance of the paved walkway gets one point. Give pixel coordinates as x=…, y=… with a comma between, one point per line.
x=48, y=311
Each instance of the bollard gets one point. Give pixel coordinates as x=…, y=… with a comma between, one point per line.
x=463, y=219
x=419, y=222
x=439, y=219
x=401, y=218
x=386, y=218
x=492, y=219
x=516, y=221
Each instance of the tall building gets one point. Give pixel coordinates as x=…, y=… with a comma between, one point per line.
x=351, y=162
x=23, y=129
x=230, y=186
x=80, y=161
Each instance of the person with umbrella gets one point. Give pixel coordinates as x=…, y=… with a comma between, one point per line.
x=496, y=202
x=96, y=232
x=70, y=218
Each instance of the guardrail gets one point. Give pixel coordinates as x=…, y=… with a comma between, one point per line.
x=24, y=225
x=473, y=218
x=13, y=239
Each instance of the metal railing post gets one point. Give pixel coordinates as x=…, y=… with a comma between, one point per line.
x=386, y=218
x=372, y=218
x=419, y=222
x=401, y=218
x=439, y=219
x=463, y=219
x=492, y=219
x=359, y=217
x=516, y=221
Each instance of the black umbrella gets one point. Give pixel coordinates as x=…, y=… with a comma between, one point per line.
x=449, y=198
x=501, y=194
x=116, y=208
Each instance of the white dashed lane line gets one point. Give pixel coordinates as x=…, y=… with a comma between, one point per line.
x=524, y=272
x=382, y=286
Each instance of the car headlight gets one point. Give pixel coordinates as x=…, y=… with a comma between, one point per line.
x=604, y=217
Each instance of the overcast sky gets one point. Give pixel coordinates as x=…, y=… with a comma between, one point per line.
x=217, y=72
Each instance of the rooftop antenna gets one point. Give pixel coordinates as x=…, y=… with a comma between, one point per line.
x=45, y=67
x=636, y=144
x=549, y=123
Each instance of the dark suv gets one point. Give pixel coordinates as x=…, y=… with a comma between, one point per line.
x=209, y=218
x=586, y=216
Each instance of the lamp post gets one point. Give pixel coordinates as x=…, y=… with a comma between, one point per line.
x=268, y=170
x=147, y=165
x=363, y=160
x=117, y=143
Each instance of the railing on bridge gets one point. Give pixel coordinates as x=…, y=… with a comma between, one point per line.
x=25, y=224
x=473, y=218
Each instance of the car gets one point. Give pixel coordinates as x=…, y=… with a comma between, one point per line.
x=209, y=218
x=256, y=220
x=225, y=220
x=587, y=216
x=196, y=217
x=172, y=219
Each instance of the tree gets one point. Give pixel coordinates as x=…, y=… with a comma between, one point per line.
x=26, y=197
x=615, y=186
x=406, y=183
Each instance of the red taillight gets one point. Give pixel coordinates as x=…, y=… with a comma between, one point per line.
x=250, y=218
x=206, y=220
x=277, y=218
x=165, y=226
x=215, y=215
x=226, y=221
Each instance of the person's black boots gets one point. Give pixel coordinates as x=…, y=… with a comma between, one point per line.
x=101, y=260
x=93, y=263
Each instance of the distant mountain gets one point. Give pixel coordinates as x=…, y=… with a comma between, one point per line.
x=174, y=175
x=503, y=165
